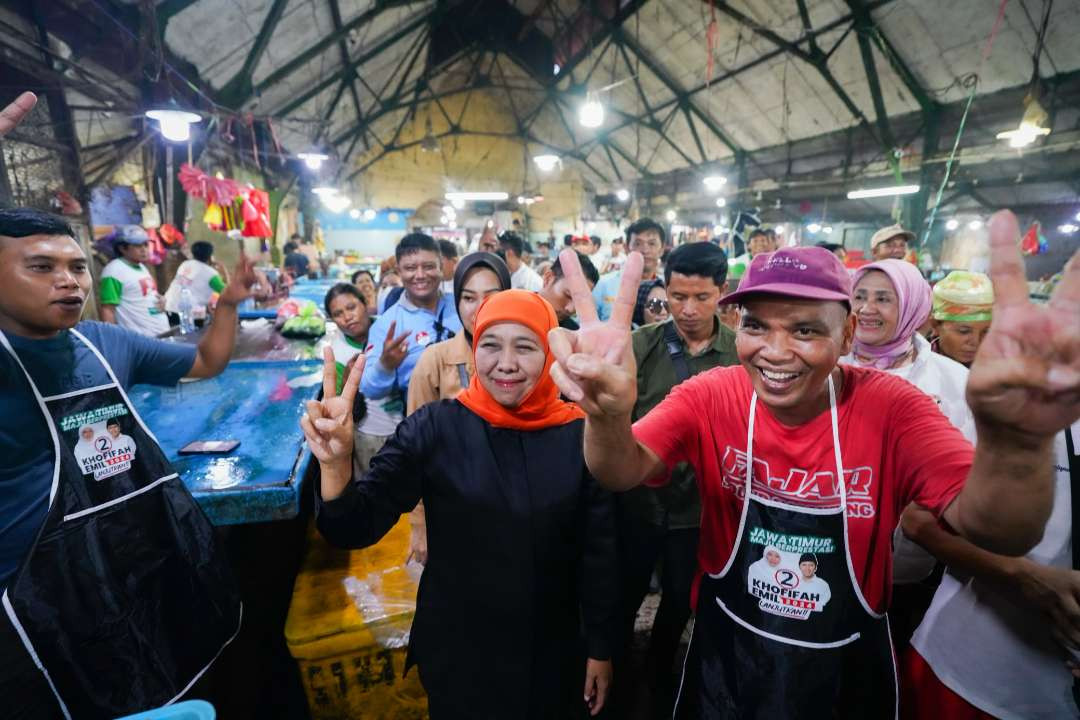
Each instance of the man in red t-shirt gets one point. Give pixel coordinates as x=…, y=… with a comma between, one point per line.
x=798, y=454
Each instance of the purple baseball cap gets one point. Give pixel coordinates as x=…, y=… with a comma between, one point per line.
x=813, y=273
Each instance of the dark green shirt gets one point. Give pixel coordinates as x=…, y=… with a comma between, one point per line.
x=677, y=505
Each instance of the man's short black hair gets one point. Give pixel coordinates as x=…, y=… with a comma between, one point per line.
x=757, y=232
x=290, y=247
x=202, y=251
x=512, y=241
x=24, y=222
x=296, y=236
x=111, y=422
x=644, y=225
x=587, y=268
x=595, y=240
x=702, y=259
x=617, y=240
x=413, y=243
x=808, y=557
x=448, y=249
x=567, y=240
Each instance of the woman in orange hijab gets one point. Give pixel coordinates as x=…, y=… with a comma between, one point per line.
x=521, y=548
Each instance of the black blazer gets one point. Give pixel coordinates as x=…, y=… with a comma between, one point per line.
x=521, y=558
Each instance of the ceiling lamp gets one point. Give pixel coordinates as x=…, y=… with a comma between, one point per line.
x=591, y=113
x=1078, y=217
x=557, y=69
x=470, y=196
x=546, y=162
x=952, y=224
x=1031, y=125
x=313, y=159
x=336, y=203
x=369, y=215
x=452, y=224
x=780, y=229
x=975, y=224
x=429, y=143
x=174, y=123
x=354, y=214
x=443, y=220
x=814, y=227
x=324, y=191
x=827, y=229
x=721, y=202
x=622, y=194
x=457, y=203
x=713, y=183
x=1068, y=228
x=671, y=215
x=883, y=192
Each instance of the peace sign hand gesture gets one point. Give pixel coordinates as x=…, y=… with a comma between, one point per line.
x=594, y=366
x=328, y=425
x=1026, y=376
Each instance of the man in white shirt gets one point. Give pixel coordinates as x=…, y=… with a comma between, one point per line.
x=198, y=276
x=128, y=292
x=522, y=277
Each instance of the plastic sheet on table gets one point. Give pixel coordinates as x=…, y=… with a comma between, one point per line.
x=386, y=599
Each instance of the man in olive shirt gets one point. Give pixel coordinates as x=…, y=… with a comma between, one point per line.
x=661, y=524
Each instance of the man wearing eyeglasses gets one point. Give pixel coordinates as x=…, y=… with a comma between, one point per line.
x=645, y=236
x=662, y=523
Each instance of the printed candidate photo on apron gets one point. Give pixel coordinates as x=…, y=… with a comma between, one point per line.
x=126, y=597
x=783, y=632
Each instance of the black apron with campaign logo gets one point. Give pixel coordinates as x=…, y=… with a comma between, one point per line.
x=126, y=597
x=783, y=632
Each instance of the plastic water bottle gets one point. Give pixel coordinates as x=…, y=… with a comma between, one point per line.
x=187, y=322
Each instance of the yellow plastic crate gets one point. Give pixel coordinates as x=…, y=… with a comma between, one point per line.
x=348, y=629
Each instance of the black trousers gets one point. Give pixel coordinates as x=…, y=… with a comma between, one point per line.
x=641, y=546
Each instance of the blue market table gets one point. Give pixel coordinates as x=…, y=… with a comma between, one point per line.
x=258, y=403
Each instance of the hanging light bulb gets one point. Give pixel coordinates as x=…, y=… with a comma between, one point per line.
x=1068, y=228
x=591, y=113
x=324, y=191
x=457, y=203
x=952, y=224
x=354, y=214
x=1031, y=124
x=713, y=183
x=174, y=123
x=313, y=159
x=336, y=203
x=975, y=224
x=369, y=215
x=721, y=202
x=814, y=227
x=671, y=215
x=780, y=229
x=622, y=194
x=452, y=224
x=546, y=162
x=827, y=229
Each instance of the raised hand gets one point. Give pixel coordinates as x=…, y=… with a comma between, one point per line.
x=594, y=366
x=243, y=278
x=13, y=114
x=394, y=349
x=1026, y=376
x=328, y=425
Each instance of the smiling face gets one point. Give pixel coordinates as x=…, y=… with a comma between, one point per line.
x=114, y=430
x=876, y=307
x=895, y=247
x=44, y=281
x=808, y=568
x=509, y=361
x=366, y=286
x=87, y=433
x=762, y=243
x=789, y=346
x=479, y=283
x=350, y=315
x=961, y=340
x=772, y=557
x=421, y=274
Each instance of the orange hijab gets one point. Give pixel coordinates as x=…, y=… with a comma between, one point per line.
x=542, y=407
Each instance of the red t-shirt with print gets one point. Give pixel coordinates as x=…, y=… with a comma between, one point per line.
x=896, y=448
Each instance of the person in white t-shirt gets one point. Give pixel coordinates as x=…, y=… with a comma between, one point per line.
x=128, y=293
x=811, y=584
x=198, y=275
x=522, y=277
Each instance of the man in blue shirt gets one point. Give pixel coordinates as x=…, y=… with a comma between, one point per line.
x=423, y=315
x=44, y=282
x=645, y=236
